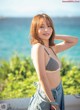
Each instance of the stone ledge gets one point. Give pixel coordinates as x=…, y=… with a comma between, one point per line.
x=71, y=103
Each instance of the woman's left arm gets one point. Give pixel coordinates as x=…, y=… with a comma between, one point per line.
x=68, y=41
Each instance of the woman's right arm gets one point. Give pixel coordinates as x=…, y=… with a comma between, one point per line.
x=39, y=64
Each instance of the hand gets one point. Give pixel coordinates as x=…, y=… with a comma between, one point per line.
x=54, y=107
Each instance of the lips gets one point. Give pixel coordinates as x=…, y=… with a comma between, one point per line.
x=46, y=34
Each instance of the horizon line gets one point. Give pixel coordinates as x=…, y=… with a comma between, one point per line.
x=33, y=16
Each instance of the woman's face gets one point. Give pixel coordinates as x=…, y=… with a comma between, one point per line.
x=44, y=30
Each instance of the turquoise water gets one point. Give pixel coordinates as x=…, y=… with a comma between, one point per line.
x=14, y=37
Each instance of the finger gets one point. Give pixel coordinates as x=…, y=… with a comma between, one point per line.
x=54, y=108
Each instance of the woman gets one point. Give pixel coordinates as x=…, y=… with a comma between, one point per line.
x=49, y=94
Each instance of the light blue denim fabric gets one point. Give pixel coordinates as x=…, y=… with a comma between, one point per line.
x=39, y=100
x=58, y=95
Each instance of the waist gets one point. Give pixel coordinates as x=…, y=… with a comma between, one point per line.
x=54, y=79
x=58, y=86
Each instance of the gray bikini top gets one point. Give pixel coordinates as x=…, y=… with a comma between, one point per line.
x=52, y=63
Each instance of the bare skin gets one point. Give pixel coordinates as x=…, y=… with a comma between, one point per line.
x=53, y=78
x=48, y=79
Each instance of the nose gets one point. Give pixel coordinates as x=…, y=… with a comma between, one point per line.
x=46, y=29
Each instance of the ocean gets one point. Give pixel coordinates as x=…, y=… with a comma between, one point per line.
x=15, y=37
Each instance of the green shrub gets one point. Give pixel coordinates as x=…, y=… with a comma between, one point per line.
x=71, y=81
x=18, y=77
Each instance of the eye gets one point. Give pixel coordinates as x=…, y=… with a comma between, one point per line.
x=49, y=26
x=42, y=26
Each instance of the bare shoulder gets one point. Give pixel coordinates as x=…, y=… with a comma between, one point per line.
x=36, y=49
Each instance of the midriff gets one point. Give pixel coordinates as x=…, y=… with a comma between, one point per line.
x=54, y=78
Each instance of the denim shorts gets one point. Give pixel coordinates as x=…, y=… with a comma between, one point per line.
x=39, y=100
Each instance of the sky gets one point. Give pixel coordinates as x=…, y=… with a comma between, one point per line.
x=28, y=8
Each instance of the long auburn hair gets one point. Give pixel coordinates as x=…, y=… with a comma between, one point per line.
x=34, y=29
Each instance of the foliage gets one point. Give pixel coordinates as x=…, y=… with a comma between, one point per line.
x=66, y=66
x=17, y=78
x=71, y=81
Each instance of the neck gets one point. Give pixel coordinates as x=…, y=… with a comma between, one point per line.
x=46, y=43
